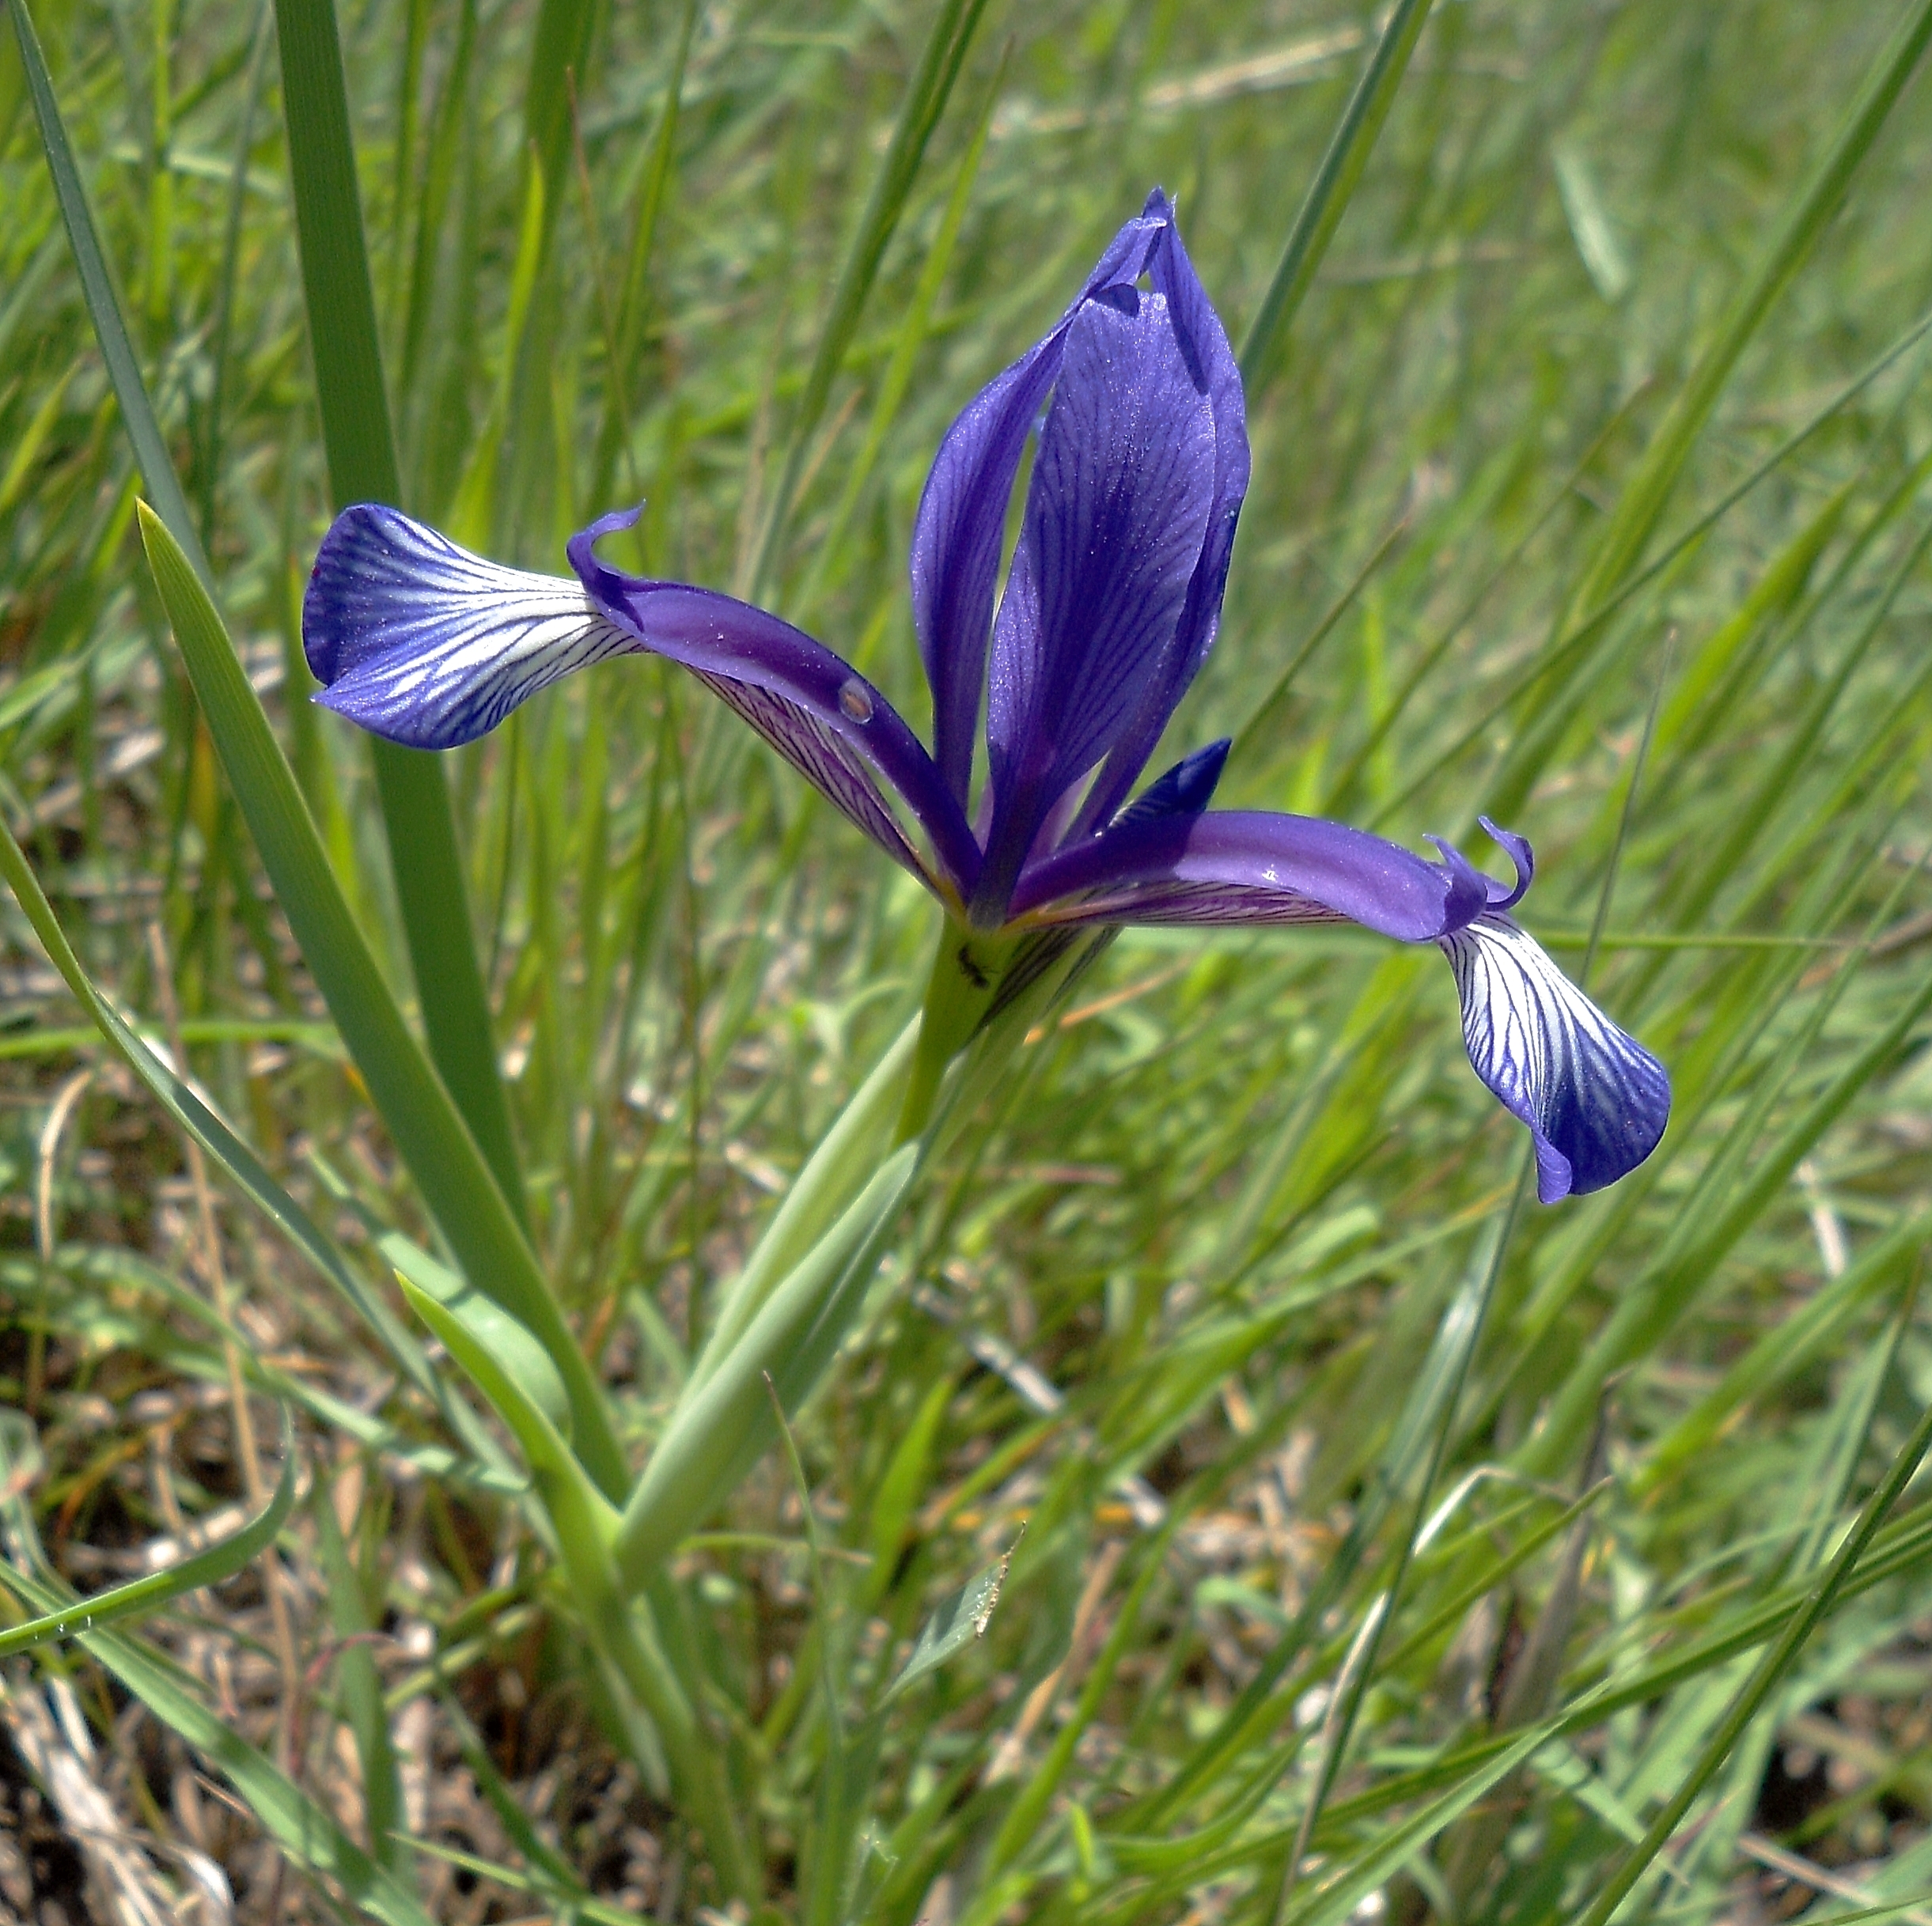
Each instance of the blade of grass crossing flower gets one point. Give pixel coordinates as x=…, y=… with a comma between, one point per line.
x=926, y=95
x=905, y=351
x=1330, y=192
x=356, y=433
x=456, y=1183
x=141, y=1597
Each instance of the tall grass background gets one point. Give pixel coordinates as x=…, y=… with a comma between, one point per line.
x=1300, y=1525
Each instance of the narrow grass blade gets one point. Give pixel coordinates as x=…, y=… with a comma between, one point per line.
x=1329, y=193
x=1649, y=491
x=558, y=48
x=1786, y=1349
x=363, y=467
x=1730, y=1201
x=301, y=1826
x=363, y=1710
x=1765, y=1675
x=1593, y=623
x=117, y=350
x=931, y=86
x=905, y=352
x=141, y=1597
x=194, y=1117
x=634, y=300
x=1461, y=1331
x=462, y=1194
x=267, y=790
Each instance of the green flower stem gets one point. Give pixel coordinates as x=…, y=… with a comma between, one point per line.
x=723, y=1424
x=967, y=968
x=836, y=1173
x=695, y=1762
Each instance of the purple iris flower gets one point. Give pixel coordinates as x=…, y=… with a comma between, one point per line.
x=1109, y=610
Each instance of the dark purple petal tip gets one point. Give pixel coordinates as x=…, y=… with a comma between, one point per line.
x=1595, y=1100
x=1185, y=790
x=419, y=640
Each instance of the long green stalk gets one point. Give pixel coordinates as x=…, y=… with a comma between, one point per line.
x=356, y=433
x=456, y=1184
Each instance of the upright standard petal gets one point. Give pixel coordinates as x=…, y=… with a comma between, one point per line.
x=831, y=724
x=422, y=642
x=1595, y=1100
x=1203, y=344
x=1115, y=516
x=962, y=515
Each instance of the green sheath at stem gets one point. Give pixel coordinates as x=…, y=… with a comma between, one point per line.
x=966, y=973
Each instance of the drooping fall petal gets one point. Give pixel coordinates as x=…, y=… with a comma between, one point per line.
x=1595, y=1100
x=422, y=642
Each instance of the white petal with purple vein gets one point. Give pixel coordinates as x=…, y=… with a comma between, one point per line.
x=1595, y=1100
x=423, y=642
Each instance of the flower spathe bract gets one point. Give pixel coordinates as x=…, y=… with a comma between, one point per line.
x=1109, y=611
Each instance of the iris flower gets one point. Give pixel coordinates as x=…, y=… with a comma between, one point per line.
x=1110, y=608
